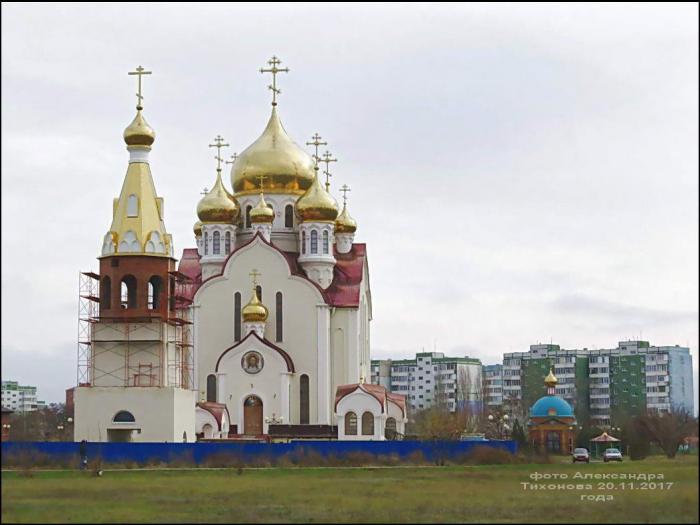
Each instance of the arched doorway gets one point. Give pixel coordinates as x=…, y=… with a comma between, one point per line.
x=553, y=441
x=252, y=416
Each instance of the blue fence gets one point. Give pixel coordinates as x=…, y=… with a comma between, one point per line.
x=199, y=452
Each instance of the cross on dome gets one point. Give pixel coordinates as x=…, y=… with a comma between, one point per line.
x=316, y=142
x=218, y=144
x=233, y=159
x=140, y=71
x=327, y=158
x=274, y=62
x=344, y=190
x=254, y=274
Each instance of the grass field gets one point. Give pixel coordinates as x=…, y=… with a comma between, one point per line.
x=490, y=493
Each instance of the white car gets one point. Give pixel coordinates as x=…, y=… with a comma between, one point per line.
x=612, y=454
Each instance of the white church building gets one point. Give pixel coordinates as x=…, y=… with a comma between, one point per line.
x=261, y=331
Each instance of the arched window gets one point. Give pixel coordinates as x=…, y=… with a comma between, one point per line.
x=390, y=428
x=227, y=243
x=124, y=417
x=258, y=291
x=132, y=206
x=206, y=243
x=106, y=293
x=314, y=241
x=155, y=290
x=303, y=242
x=211, y=388
x=325, y=241
x=278, y=316
x=350, y=424
x=367, y=424
x=217, y=243
x=128, y=292
x=289, y=216
x=247, y=216
x=237, y=316
x=304, y=400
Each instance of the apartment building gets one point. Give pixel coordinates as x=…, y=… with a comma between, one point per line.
x=20, y=398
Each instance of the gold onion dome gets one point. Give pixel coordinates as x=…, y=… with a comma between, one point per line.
x=218, y=205
x=551, y=379
x=254, y=311
x=139, y=133
x=262, y=212
x=197, y=228
x=344, y=223
x=285, y=166
x=317, y=204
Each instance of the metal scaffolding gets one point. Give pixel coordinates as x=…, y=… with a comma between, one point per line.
x=181, y=360
x=88, y=313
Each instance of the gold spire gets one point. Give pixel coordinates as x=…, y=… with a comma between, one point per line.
x=139, y=133
x=316, y=204
x=344, y=223
x=551, y=379
x=274, y=62
x=218, y=205
x=262, y=213
x=254, y=311
x=288, y=168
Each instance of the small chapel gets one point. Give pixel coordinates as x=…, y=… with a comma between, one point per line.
x=261, y=330
x=552, y=423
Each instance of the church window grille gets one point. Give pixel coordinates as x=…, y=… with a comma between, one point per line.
x=227, y=243
x=106, y=293
x=211, y=388
x=304, y=400
x=247, y=216
x=206, y=243
x=128, y=292
x=217, y=243
x=325, y=242
x=367, y=424
x=132, y=206
x=350, y=424
x=278, y=316
x=237, y=316
x=314, y=241
x=155, y=287
x=289, y=216
x=303, y=242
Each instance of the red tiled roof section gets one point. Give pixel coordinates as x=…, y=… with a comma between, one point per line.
x=377, y=391
x=215, y=409
x=344, y=291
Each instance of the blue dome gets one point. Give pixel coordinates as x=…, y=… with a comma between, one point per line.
x=549, y=406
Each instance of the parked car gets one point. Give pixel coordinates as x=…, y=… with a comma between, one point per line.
x=612, y=454
x=581, y=454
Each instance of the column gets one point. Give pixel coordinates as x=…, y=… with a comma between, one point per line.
x=323, y=394
x=285, y=381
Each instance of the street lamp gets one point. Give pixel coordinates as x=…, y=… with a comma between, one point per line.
x=501, y=423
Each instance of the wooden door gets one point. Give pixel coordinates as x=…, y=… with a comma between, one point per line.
x=252, y=416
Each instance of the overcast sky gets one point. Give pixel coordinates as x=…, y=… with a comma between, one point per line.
x=520, y=173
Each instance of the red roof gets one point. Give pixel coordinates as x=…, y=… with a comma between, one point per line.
x=378, y=392
x=215, y=409
x=344, y=291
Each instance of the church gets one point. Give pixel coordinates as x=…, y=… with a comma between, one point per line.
x=261, y=330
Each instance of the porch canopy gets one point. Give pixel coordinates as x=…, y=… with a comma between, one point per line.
x=604, y=438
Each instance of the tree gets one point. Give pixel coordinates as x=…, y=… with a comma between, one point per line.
x=45, y=424
x=518, y=435
x=667, y=429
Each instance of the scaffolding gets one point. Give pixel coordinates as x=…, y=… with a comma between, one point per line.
x=181, y=360
x=88, y=313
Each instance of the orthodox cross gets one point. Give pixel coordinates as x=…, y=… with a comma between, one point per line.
x=344, y=190
x=327, y=158
x=316, y=142
x=204, y=191
x=218, y=144
x=261, y=178
x=233, y=159
x=254, y=275
x=140, y=72
x=274, y=62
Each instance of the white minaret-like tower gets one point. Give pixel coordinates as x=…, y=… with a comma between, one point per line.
x=317, y=211
x=217, y=211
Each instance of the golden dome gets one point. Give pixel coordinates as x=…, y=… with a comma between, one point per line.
x=262, y=212
x=218, y=205
x=316, y=204
x=344, y=223
x=551, y=379
x=254, y=311
x=287, y=168
x=139, y=133
x=197, y=228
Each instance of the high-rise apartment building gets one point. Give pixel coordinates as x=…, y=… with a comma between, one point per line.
x=20, y=398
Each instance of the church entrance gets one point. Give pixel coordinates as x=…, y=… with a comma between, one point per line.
x=252, y=416
x=553, y=441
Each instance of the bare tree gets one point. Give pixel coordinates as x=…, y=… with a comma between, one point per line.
x=667, y=429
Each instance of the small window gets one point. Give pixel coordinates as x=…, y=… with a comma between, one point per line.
x=128, y=292
x=289, y=216
x=258, y=292
x=106, y=293
x=237, y=316
x=278, y=317
x=367, y=424
x=350, y=424
x=132, y=206
x=303, y=242
x=247, y=216
x=325, y=242
x=304, y=400
x=227, y=243
x=206, y=243
x=314, y=241
x=155, y=289
x=217, y=243
x=124, y=417
x=211, y=388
